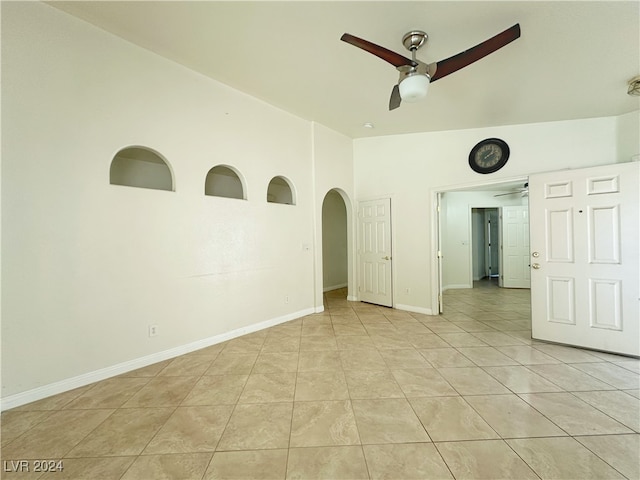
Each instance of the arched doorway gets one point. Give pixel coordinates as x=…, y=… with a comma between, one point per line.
x=335, y=243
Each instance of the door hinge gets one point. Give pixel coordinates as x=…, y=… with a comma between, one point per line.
x=439, y=253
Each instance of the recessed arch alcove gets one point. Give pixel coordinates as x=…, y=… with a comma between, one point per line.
x=225, y=181
x=280, y=190
x=141, y=167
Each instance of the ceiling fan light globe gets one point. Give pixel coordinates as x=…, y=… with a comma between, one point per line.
x=414, y=87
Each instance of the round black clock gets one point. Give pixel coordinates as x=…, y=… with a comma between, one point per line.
x=489, y=155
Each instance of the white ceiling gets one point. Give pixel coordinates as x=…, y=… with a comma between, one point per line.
x=573, y=60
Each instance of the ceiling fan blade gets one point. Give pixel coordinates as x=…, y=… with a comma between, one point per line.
x=462, y=59
x=394, y=101
x=393, y=58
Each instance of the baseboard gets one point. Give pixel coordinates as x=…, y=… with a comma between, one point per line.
x=414, y=309
x=352, y=298
x=319, y=309
x=334, y=287
x=68, y=384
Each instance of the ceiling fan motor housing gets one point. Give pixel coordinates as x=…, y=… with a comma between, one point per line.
x=414, y=39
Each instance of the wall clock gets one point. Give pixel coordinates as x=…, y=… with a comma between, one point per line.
x=489, y=155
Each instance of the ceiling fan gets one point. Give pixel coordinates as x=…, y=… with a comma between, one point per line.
x=416, y=75
x=523, y=192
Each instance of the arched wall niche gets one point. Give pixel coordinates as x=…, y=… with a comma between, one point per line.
x=141, y=167
x=225, y=181
x=280, y=190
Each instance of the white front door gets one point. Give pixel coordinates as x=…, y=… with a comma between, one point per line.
x=585, y=277
x=515, y=271
x=374, y=251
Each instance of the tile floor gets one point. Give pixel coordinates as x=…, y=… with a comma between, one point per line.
x=358, y=391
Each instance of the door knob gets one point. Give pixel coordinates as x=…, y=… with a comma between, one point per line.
x=386, y=258
x=536, y=266
x=535, y=254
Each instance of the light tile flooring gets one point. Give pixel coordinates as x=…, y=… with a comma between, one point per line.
x=358, y=391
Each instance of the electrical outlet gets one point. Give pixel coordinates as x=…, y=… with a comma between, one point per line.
x=286, y=299
x=153, y=330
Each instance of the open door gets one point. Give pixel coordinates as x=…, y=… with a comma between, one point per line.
x=515, y=272
x=585, y=276
x=374, y=252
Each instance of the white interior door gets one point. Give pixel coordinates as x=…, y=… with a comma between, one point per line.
x=374, y=251
x=585, y=277
x=515, y=271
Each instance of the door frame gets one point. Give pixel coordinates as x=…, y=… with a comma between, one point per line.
x=393, y=244
x=349, y=237
x=486, y=249
x=436, y=220
x=498, y=245
x=318, y=294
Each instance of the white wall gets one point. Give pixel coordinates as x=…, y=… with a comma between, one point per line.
x=628, y=129
x=410, y=167
x=334, y=242
x=88, y=266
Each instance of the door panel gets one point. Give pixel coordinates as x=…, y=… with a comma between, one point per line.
x=605, y=304
x=604, y=234
x=585, y=283
x=559, y=223
x=561, y=304
x=374, y=251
